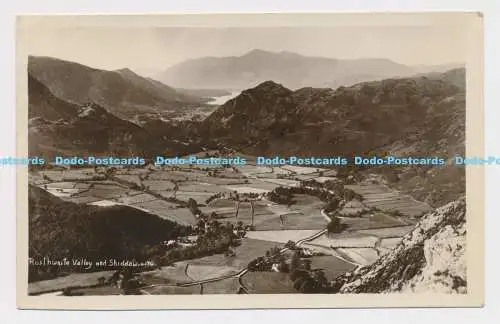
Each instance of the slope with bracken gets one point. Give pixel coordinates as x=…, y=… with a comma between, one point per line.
x=60, y=229
x=121, y=92
x=58, y=127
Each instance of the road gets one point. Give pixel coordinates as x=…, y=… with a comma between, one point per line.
x=239, y=274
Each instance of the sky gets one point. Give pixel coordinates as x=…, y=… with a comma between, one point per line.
x=150, y=50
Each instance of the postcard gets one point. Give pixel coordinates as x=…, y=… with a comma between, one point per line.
x=258, y=160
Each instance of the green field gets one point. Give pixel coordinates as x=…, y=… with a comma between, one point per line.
x=226, y=286
x=332, y=266
x=72, y=280
x=246, y=252
x=268, y=283
x=173, y=290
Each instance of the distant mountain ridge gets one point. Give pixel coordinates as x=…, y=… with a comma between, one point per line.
x=122, y=92
x=290, y=69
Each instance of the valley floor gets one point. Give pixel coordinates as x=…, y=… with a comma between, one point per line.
x=374, y=224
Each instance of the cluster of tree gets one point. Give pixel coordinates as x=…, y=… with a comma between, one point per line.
x=214, y=197
x=351, y=170
x=318, y=192
x=310, y=281
x=265, y=263
x=193, y=207
x=304, y=278
x=335, y=225
x=332, y=205
x=281, y=195
x=290, y=245
x=214, y=239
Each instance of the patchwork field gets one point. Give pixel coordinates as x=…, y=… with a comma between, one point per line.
x=172, y=290
x=386, y=199
x=331, y=265
x=352, y=241
x=378, y=220
x=361, y=256
x=267, y=283
x=167, y=275
x=202, y=272
x=374, y=223
x=226, y=286
x=248, y=250
x=72, y=280
x=280, y=236
x=96, y=291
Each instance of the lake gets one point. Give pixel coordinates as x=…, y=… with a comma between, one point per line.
x=223, y=99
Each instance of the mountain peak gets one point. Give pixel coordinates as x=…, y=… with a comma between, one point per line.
x=126, y=71
x=270, y=86
x=257, y=51
x=263, y=53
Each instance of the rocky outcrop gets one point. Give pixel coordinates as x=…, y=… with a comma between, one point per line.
x=430, y=258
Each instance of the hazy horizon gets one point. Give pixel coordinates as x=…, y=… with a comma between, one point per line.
x=151, y=50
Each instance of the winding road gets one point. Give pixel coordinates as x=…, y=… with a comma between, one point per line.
x=237, y=275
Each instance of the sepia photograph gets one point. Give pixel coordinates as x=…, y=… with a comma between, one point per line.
x=330, y=156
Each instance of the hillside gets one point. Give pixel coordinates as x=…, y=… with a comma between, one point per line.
x=430, y=258
x=58, y=127
x=271, y=119
x=418, y=116
x=453, y=76
x=290, y=69
x=122, y=92
x=60, y=229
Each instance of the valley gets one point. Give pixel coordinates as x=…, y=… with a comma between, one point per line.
x=234, y=229
x=240, y=196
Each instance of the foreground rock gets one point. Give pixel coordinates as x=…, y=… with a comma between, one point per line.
x=430, y=258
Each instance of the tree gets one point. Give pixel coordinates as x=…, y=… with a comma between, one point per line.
x=193, y=206
x=101, y=281
x=307, y=264
x=175, y=189
x=332, y=205
x=335, y=225
x=294, y=261
x=283, y=267
x=290, y=245
x=320, y=281
x=66, y=291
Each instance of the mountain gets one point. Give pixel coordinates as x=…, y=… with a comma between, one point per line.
x=58, y=127
x=272, y=119
x=61, y=229
x=424, y=69
x=122, y=92
x=431, y=257
x=454, y=76
x=290, y=69
x=419, y=116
